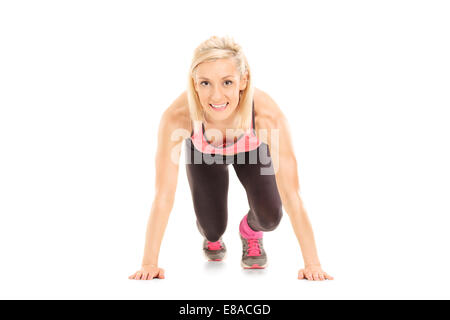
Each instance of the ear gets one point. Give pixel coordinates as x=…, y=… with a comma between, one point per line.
x=195, y=85
x=244, y=81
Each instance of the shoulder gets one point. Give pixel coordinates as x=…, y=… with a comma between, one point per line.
x=271, y=117
x=176, y=116
x=268, y=114
x=178, y=112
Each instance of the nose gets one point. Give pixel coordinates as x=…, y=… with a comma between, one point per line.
x=217, y=95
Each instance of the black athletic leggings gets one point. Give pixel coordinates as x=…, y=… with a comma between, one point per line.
x=208, y=180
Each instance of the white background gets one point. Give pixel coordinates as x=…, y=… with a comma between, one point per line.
x=364, y=84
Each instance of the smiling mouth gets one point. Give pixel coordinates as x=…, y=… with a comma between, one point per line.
x=218, y=107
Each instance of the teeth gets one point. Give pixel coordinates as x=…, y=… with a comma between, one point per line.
x=219, y=106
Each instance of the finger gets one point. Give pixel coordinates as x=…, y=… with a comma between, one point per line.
x=321, y=276
x=316, y=276
x=138, y=276
x=327, y=276
x=161, y=273
x=309, y=276
x=301, y=274
x=132, y=276
x=145, y=276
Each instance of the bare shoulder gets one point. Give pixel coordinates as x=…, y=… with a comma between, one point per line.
x=176, y=116
x=268, y=114
x=271, y=117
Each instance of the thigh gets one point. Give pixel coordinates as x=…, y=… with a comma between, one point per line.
x=209, y=189
x=261, y=187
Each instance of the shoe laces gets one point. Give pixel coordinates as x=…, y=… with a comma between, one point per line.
x=253, y=247
x=214, y=245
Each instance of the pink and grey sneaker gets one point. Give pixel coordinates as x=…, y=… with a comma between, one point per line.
x=214, y=251
x=253, y=253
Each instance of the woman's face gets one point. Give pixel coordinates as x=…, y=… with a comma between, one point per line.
x=218, y=85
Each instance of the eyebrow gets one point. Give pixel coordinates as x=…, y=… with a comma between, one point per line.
x=222, y=78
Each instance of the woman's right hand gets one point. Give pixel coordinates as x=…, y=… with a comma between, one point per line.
x=148, y=272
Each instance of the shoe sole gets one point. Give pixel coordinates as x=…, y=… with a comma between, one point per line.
x=254, y=266
x=214, y=260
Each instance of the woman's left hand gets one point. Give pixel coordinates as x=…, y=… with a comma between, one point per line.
x=314, y=272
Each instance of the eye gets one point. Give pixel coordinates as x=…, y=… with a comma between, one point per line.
x=228, y=81
x=203, y=82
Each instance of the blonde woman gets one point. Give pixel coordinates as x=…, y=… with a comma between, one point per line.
x=223, y=120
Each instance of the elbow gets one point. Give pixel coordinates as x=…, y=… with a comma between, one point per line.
x=292, y=202
x=164, y=200
x=292, y=197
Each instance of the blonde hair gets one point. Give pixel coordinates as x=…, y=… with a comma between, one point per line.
x=221, y=48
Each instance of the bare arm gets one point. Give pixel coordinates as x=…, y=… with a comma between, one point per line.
x=170, y=136
x=165, y=188
x=285, y=166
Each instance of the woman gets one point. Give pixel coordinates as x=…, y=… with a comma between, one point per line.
x=209, y=118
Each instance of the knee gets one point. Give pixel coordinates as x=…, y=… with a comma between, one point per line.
x=214, y=232
x=270, y=218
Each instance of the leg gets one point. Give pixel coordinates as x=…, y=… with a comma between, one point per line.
x=209, y=189
x=262, y=192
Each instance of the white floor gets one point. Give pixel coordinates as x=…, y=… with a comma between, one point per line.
x=86, y=262
x=199, y=279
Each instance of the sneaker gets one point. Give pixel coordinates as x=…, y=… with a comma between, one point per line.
x=214, y=251
x=253, y=253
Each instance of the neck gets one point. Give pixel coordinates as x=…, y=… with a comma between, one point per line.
x=229, y=123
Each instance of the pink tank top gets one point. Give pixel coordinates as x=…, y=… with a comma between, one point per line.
x=248, y=141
